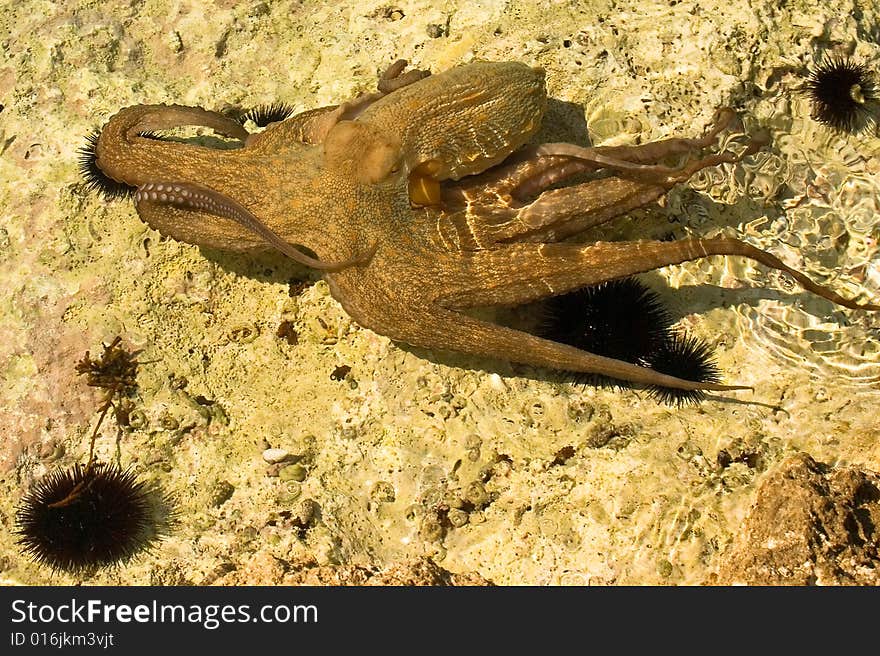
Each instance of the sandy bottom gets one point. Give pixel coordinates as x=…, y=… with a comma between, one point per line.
x=391, y=455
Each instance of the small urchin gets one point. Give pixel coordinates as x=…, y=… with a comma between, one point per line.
x=87, y=517
x=683, y=356
x=263, y=115
x=95, y=179
x=843, y=94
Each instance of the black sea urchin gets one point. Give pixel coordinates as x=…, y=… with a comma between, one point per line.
x=95, y=178
x=687, y=357
x=625, y=320
x=263, y=115
x=621, y=319
x=81, y=519
x=842, y=93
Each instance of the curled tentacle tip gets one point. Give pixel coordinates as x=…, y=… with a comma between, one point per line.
x=396, y=68
x=721, y=120
x=734, y=388
x=724, y=114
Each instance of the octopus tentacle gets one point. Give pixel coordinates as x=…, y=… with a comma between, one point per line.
x=202, y=199
x=520, y=273
x=559, y=213
x=654, y=150
x=492, y=208
x=124, y=154
x=459, y=332
x=592, y=159
x=435, y=325
x=394, y=78
x=312, y=126
x=167, y=117
x=535, y=168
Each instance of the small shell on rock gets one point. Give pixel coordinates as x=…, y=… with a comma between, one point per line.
x=274, y=455
x=293, y=473
x=457, y=518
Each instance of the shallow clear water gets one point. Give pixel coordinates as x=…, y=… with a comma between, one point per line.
x=817, y=210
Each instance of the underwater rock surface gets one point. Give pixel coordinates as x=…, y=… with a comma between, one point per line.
x=810, y=524
x=396, y=455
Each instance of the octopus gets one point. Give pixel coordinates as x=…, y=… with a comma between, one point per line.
x=426, y=199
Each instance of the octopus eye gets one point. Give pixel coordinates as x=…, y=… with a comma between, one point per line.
x=424, y=187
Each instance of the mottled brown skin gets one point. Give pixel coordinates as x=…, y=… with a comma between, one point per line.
x=422, y=200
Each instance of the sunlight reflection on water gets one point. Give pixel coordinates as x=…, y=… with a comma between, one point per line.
x=818, y=211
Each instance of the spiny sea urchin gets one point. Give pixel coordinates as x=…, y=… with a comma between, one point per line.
x=95, y=178
x=625, y=320
x=263, y=115
x=620, y=319
x=843, y=94
x=683, y=356
x=80, y=519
